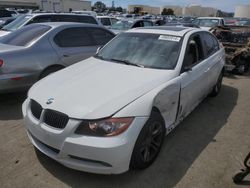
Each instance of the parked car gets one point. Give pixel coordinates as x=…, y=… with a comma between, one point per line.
x=46, y=17
x=245, y=22
x=5, y=21
x=208, y=23
x=107, y=21
x=111, y=112
x=5, y=13
x=37, y=50
x=127, y=24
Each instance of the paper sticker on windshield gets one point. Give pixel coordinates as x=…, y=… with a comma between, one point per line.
x=169, y=38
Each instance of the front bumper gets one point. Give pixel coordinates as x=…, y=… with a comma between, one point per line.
x=104, y=155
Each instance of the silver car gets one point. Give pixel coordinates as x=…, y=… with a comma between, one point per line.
x=28, y=19
x=37, y=50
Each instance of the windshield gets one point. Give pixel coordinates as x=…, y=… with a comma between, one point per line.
x=25, y=36
x=122, y=25
x=143, y=50
x=206, y=22
x=18, y=22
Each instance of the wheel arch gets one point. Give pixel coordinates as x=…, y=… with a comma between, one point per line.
x=54, y=66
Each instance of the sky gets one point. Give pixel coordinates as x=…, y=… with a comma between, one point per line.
x=224, y=5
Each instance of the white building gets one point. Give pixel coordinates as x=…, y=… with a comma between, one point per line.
x=63, y=5
x=18, y=3
x=144, y=9
x=48, y=5
x=199, y=11
x=242, y=11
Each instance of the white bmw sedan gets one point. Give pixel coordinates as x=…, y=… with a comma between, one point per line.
x=110, y=113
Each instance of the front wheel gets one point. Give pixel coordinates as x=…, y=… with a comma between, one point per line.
x=149, y=142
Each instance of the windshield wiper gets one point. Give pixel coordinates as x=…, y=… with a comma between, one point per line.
x=126, y=62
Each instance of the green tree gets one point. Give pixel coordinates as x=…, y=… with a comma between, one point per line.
x=119, y=9
x=100, y=6
x=168, y=11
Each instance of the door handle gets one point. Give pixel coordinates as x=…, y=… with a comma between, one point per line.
x=207, y=70
x=66, y=55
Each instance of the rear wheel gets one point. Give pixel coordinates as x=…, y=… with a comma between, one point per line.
x=217, y=87
x=49, y=71
x=149, y=142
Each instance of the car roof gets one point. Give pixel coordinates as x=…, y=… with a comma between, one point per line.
x=132, y=20
x=210, y=18
x=104, y=16
x=59, y=24
x=164, y=30
x=70, y=14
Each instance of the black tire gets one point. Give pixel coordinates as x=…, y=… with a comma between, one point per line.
x=149, y=142
x=49, y=71
x=217, y=87
x=239, y=177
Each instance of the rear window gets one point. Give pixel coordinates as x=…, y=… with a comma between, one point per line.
x=25, y=36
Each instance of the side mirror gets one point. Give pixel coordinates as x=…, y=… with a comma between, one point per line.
x=98, y=49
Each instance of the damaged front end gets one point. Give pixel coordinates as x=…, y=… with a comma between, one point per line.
x=236, y=40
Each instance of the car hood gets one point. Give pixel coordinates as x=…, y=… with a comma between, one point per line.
x=3, y=33
x=93, y=88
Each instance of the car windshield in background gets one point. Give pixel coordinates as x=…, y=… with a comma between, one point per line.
x=19, y=21
x=143, y=50
x=25, y=36
x=207, y=22
x=122, y=25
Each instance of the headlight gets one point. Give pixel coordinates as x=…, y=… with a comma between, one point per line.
x=107, y=127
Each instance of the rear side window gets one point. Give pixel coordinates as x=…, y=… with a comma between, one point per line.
x=101, y=36
x=113, y=21
x=210, y=44
x=25, y=35
x=5, y=13
x=138, y=24
x=42, y=19
x=105, y=21
x=147, y=24
x=87, y=19
x=74, y=37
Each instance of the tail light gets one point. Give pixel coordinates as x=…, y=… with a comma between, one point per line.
x=1, y=63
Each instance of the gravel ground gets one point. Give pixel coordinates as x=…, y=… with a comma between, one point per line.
x=205, y=150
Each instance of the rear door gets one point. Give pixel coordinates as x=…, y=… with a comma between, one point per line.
x=213, y=57
x=74, y=44
x=194, y=79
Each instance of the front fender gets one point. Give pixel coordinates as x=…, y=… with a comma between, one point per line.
x=165, y=98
